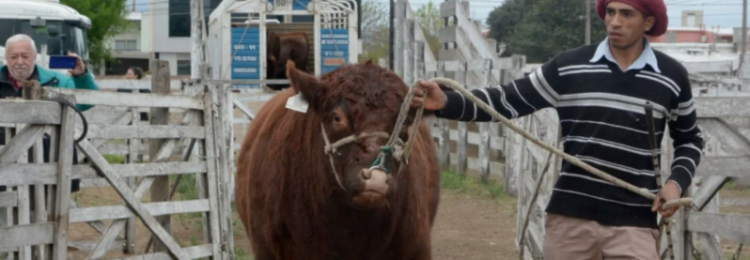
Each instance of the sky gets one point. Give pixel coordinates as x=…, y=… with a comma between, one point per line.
x=723, y=13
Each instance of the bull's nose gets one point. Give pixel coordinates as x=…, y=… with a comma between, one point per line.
x=375, y=180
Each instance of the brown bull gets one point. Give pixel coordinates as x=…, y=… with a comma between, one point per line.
x=290, y=46
x=297, y=204
x=273, y=49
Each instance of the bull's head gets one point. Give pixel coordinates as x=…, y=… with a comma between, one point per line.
x=354, y=100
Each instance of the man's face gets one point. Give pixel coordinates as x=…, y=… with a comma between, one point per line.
x=626, y=25
x=20, y=57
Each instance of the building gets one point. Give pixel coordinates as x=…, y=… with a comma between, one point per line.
x=128, y=48
x=161, y=30
x=701, y=34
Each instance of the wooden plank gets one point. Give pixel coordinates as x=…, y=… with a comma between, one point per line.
x=725, y=139
x=88, y=246
x=211, y=153
x=21, y=143
x=31, y=234
x=245, y=110
x=121, y=211
x=64, y=167
x=160, y=116
x=40, y=209
x=710, y=107
x=255, y=98
x=225, y=176
x=736, y=166
x=461, y=149
x=110, y=235
x=495, y=168
x=106, y=116
x=144, y=132
x=473, y=138
x=120, y=99
x=733, y=226
x=20, y=174
x=113, y=84
x=8, y=199
x=711, y=247
x=122, y=188
x=194, y=252
x=132, y=158
x=162, y=154
x=29, y=112
x=483, y=160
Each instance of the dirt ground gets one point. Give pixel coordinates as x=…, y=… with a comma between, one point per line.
x=469, y=225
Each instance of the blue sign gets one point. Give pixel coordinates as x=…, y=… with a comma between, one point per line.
x=334, y=49
x=246, y=55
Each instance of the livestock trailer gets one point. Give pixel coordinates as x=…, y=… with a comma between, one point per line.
x=237, y=36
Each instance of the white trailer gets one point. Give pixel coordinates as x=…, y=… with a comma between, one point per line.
x=48, y=22
x=237, y=35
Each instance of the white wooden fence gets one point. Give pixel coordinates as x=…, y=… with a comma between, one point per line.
x=36, y=225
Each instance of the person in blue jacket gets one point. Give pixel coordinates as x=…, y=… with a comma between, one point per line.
x=20, y=60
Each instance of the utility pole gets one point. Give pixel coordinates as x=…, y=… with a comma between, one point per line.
x=744, y=28
x=196, y=55
x=588, y=22
x=391, y=16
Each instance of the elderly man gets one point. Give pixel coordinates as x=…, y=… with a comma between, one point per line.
x=599, y=92
x=20, y=55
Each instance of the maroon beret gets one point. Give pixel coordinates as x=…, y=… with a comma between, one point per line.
x=655, y=8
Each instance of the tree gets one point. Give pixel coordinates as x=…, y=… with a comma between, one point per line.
x=551, y=27
x=504, y=20
x=374, y=31
x=108, y=18
x=428, y=18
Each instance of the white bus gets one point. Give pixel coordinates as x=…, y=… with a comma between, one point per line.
x=61, y=27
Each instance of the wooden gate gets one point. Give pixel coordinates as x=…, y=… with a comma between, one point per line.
x=31, y=233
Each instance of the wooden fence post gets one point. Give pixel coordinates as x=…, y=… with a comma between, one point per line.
x=462, y=142
x=64, y=171
x=159, y=116
x=444, y=149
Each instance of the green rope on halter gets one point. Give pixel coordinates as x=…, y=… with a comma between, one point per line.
x=386, y=152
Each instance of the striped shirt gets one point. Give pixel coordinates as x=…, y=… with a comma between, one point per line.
x=601, y=112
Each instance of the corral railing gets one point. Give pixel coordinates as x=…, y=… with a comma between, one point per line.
x=32, y=228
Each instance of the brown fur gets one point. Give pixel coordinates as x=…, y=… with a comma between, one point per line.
x=273, y=51
x=287, y=196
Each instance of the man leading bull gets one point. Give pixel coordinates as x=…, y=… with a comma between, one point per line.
x=599, y=92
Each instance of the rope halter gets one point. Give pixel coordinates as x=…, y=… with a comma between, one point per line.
x=394, y=149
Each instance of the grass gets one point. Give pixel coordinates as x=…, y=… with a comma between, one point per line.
x=465, y=184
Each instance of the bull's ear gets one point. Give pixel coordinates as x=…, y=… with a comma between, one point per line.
x=311, y=88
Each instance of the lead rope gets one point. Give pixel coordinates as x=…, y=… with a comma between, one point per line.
x=571, y=159
x=387, y=150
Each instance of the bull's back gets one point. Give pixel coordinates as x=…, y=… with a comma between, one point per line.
x=252, y=156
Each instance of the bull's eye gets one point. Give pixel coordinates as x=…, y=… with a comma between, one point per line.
x=336, y=118
x=403, y=136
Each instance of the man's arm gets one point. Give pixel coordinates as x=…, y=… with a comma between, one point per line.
x=520, y=97
x=84, y=81
x=687, y=136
